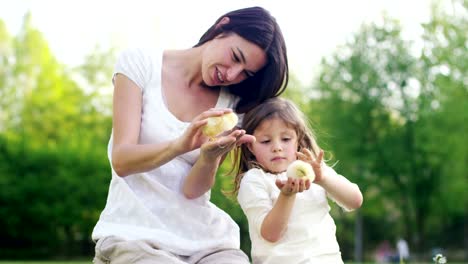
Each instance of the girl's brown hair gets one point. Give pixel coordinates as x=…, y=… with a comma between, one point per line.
x=274, y=108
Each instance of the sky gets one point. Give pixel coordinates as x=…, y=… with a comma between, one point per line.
x=312, y=28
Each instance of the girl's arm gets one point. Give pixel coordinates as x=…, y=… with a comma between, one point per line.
x=276, y=221
x=344, y=192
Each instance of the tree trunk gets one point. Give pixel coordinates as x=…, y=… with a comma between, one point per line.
x=466, y=235
x=358, y=237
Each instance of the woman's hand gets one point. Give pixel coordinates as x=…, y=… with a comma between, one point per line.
x=316, y=163
x=221, y=146
x=193, y=137
x=202, y=176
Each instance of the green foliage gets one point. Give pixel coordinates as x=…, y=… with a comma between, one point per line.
x=393, y=120
x=363, y=104
x=446, y=93
x=221, y=196
x=397, y=122
x=49, y=199
x=54, y=171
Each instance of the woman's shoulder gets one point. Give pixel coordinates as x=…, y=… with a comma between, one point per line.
x=143, y=55
x=139, y=64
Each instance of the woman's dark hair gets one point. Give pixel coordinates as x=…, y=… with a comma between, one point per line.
x=256, y=25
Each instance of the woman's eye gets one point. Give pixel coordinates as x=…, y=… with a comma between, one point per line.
x=234, y=57
x=248, y=74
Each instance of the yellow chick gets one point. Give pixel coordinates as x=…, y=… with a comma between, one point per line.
x=219, y=124
x=300, y=169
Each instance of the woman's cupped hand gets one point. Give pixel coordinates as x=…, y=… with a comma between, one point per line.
x=193, y=137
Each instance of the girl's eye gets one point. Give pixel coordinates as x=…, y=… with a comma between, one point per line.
x=264, y=141
x=286, y=139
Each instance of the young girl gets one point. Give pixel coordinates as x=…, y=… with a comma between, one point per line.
x=289, y=220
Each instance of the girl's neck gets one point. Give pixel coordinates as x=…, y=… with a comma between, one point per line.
x=274, y=173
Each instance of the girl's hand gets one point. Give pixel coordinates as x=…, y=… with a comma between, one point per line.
x=307, y=156
x=193, y=137
x=292, y=186
x=221, y=145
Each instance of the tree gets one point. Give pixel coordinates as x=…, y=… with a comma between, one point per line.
x=7, y=94
x=445, y=96
x=396, y=119
x=54, y=171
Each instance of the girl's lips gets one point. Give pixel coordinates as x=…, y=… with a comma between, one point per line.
x=277, y=158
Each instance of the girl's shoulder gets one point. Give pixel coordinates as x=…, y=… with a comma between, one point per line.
x=259, y=177
x=253, y=186
x=254, y=175
x=255, y=171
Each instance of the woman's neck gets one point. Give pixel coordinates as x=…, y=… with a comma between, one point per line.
x=185, y=65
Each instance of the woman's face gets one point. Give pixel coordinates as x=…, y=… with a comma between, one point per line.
x=230, y=59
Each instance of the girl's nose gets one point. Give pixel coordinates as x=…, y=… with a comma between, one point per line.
x=277, y=147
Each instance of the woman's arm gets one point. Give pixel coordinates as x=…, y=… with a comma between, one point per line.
x=128, y=156
x=202, y=176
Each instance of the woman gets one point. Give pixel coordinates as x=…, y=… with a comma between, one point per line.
x=163, y=167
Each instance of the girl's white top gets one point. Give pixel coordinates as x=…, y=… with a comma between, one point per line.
x=151, y=205
x=310, y=235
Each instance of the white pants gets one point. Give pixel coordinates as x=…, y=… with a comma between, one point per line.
x=115, y=250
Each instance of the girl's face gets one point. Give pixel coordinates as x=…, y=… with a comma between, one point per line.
x=230, y=59
x=276, y=145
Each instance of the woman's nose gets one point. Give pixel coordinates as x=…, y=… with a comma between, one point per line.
x=234, y=72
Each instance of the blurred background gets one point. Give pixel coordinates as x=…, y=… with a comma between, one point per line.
x=384, y=84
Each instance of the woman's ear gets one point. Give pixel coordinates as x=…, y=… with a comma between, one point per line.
x=223, y=21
